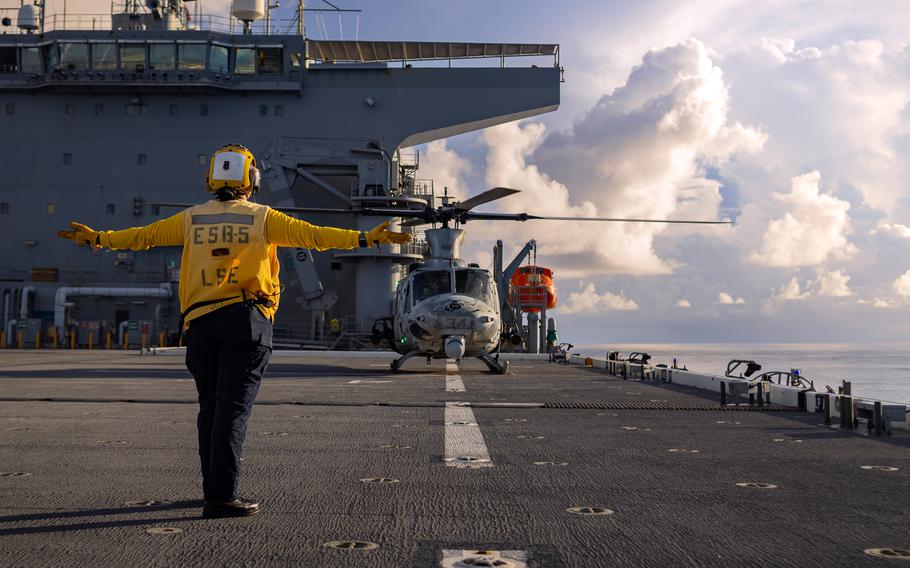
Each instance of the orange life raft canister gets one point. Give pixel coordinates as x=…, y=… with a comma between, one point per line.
x=533, y=286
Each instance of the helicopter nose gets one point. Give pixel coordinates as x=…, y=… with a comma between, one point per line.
x=455, y=347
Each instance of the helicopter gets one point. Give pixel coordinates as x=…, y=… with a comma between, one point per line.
x=445, y=308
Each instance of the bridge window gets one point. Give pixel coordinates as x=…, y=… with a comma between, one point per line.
x=245, y=61
x=110, y=209
x=10, y=108
x=104, y=56
x=8, y=59
x=132, y=57
x=175, y=109
x=73, y=56
x=69, y=109
x=4, y=208
x=161, y=56
x=263, y=110
x=51, y=208
x=279, y=110
x=218, y=59
x=99, y=109
x=142, y=159
x=269, y=60
x=31, y=60
x=191, y=56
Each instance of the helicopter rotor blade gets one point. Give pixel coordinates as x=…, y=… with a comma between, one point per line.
x=485, y=197
x=392, y=212
x=415, y=222
x=469, y=216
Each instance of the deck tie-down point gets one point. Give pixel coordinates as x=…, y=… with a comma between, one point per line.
x=351, y=545
x=590, y=511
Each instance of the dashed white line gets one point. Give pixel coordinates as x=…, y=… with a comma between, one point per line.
x=453, y=379
x=465, y=447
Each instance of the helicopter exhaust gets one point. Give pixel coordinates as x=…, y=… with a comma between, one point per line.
x=455, y=347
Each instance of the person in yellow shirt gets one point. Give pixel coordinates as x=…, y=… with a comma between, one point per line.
x=229, y=291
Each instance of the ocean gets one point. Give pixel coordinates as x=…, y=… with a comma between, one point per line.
x=876, y=370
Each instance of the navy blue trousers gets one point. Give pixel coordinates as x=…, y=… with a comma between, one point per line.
x=227, y=352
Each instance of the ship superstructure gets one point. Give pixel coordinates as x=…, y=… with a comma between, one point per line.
x=106, y=120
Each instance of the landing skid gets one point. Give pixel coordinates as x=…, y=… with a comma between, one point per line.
x=396, y=364
x=493, y=363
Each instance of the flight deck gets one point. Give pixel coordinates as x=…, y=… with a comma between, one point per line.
x=437, y=465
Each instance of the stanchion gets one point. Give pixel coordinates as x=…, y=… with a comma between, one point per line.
x=91, y=340
x=37, y=340
x=20, y=340
x=55, y=340
x=877, y=417
x=143, y=341
x=161, y=339
x=107, y=341
x=72, y=340
x=125, y=340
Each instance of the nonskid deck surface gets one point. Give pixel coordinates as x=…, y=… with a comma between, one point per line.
x=326, y=424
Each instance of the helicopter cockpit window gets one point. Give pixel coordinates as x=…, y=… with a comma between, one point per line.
x=428, y=284
x=473, y=283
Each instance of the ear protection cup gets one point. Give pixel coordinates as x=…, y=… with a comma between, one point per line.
x=255, y=179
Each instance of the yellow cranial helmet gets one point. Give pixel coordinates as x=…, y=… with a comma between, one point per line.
x=233, y=167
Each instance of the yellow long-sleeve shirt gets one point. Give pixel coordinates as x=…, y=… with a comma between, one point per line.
x=229, y=251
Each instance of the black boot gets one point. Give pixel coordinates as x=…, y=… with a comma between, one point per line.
x=238, y=508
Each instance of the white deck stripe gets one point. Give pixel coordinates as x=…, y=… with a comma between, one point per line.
x=463, y=439
x=453, y=379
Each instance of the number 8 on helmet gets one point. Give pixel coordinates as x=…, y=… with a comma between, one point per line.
x=232, y=171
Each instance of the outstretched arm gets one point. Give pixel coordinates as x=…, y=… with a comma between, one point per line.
x=166, y=232
x=286, y=231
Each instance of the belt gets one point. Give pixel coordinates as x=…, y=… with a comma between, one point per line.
x=254, y=301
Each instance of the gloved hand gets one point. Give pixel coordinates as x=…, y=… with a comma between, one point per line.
x=81, y=235
x=380, y=234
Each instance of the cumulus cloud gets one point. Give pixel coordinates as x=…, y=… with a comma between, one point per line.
x=587, y=300
x=833, y=284
x=726, y=299
x=641, y=151
x=683, y=303
x=814, y=228
x=902, y=285
x=892, y=230
x=826, y=284
x=446, y=168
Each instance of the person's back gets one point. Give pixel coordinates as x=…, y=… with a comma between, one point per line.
x=229, y=291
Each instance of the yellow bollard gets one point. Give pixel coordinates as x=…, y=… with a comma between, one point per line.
x=54, y=335
x=107, y=341
x=2, y=339
x=125, y=340
x=37, y=340
x=91, y=339
x=161, y=339
x=72, y=340
x=143, y=341
x=20, y=340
